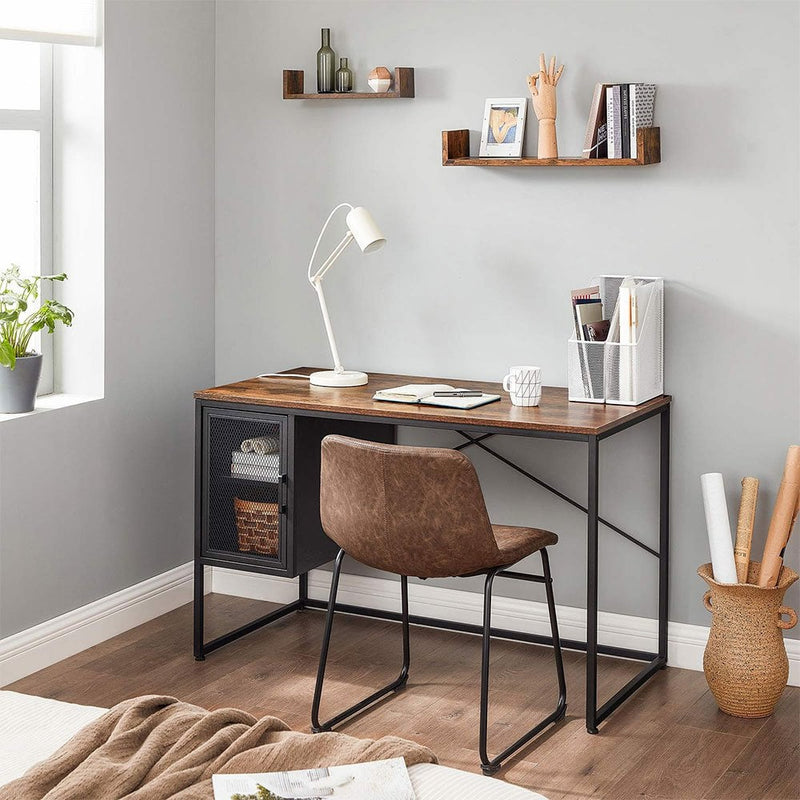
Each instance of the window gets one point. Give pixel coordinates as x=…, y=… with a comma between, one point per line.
x=26, y=167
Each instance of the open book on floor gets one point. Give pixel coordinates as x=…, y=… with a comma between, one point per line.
x=386, y=780
x=435, y=394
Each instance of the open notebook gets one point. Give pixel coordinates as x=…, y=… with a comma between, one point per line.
x=422, y=394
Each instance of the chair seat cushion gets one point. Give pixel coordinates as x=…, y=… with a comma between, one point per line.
x=516, y=543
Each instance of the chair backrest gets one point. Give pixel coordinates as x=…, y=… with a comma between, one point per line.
x=409, y=510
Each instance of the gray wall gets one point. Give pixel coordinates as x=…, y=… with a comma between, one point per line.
x=97, y=497
x=479, y=262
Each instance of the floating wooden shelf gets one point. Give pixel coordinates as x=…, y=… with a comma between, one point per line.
x=455, y=153
x=294, y=87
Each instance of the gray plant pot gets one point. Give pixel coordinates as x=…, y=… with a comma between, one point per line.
x=18, y=385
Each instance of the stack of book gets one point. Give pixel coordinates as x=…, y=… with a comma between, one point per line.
x=618, y=110
x=255, y=466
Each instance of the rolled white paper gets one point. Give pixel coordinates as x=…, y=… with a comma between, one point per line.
x=719, y=528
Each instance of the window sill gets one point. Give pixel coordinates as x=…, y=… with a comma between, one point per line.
x=52, y=402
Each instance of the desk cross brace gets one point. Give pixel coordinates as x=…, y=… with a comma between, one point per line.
x=478, y=442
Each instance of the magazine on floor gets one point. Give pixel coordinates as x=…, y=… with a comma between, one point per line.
x=373, y=780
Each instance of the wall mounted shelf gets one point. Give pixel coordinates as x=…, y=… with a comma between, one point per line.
x=294, y=88
x=455, y=153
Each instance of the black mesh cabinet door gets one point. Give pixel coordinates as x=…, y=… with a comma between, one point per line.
x=244, y=489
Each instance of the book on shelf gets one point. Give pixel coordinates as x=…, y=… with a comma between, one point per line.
x=387, y=779
x=642, y=104
x=594, y=142
x=625, y=122
x=617, y=111
x=423, y=394
x=614, y=121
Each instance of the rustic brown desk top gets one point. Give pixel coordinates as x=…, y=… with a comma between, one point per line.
x=554, y=414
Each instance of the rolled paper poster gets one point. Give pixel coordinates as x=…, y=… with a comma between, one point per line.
x=744, y=527
x=719, y=528
x=792, y=473
x=783, y=518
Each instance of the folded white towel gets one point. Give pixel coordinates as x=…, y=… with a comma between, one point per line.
x=261, y=445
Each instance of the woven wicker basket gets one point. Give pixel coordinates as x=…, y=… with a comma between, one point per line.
x=257, y=526
x=745, y=659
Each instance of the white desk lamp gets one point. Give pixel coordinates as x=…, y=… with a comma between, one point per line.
x=362, y=228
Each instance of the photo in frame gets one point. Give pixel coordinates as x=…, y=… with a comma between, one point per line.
x=503, y=127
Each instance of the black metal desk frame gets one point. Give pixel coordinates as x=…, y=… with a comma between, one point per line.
x=476, y=436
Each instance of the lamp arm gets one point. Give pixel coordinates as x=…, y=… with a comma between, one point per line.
x=315, y=280
x=337, y=251
x=321, y=234
x=317, y=284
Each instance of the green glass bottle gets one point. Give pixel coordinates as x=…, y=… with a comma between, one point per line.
x=344, y=77
x=326, y=64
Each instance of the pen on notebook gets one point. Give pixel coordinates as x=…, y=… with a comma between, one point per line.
x=458, y=393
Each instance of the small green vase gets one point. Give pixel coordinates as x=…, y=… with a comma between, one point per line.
x=344, y=77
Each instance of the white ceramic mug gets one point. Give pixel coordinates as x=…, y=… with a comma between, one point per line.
x=524, y=385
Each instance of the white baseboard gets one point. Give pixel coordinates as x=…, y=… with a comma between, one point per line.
x=686, y=642
x=36, y=648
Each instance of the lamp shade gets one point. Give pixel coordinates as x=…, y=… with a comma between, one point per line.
x=364, y=230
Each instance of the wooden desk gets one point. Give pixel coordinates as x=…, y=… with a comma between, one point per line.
x=304, y=414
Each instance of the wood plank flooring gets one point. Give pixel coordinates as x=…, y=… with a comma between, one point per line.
x=668, y=741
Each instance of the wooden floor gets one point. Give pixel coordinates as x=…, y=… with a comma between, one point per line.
x=669, y=741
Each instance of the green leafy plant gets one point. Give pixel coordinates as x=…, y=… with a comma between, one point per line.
x=17, y=293
x=262, y=794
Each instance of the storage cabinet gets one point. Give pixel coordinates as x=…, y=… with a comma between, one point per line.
x=250, y=465
x=244, y=493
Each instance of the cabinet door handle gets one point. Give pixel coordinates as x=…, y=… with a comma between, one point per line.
x=284, y=491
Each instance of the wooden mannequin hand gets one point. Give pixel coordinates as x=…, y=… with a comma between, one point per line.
x=544, y=95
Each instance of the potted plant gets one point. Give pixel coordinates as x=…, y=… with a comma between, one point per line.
x=19, y=368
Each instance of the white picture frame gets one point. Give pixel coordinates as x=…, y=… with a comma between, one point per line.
x=509, y=128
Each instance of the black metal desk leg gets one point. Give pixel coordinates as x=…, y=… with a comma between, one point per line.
x=303, y=589
x=199, y=594
x=663, y=539
x=591, y=585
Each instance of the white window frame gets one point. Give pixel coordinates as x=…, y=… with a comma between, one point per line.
x=41, y=121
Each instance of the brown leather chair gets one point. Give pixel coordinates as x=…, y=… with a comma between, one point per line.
x=420, y=511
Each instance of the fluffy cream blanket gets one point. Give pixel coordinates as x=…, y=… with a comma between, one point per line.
x=153, y=748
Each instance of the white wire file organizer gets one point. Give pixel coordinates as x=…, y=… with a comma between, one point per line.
x=628, y=368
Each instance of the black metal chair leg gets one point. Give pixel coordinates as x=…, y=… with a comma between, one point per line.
x=551, y=610
x=490, y=765
x=486, y=762
x=400, y=681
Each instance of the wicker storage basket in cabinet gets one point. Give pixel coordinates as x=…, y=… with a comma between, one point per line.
x=257, y=526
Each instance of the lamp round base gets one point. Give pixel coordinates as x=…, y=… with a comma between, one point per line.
x=333, y=378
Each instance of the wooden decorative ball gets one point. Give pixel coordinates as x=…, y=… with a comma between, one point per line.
x=380, y=79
